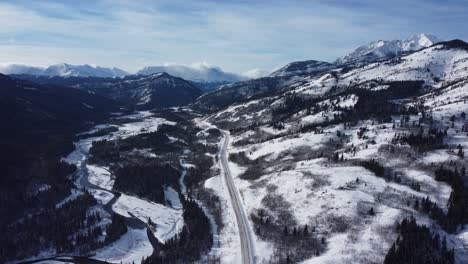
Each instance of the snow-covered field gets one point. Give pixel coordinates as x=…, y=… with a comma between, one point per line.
x=168, y=221
x=131, y=247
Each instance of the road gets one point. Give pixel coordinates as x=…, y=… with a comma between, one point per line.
x=247, y=247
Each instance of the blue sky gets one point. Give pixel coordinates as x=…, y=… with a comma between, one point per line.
x=237, y=35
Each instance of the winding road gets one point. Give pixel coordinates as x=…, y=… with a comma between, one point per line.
x=247, y=246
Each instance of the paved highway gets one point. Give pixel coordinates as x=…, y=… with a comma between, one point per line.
x=247, y=248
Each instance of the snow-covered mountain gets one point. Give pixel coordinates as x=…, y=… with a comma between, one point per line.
x=350, y=152
x=382, y=49
x=64, y=70
x=197, y=72
x=86, y=70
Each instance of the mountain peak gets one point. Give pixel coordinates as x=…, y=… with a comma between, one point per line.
x=384, y=49
x=419, y=41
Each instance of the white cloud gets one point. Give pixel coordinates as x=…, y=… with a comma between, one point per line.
x=256, y=73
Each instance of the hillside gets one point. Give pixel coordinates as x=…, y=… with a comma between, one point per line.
x=349, y=153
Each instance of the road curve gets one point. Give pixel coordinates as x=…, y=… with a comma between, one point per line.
x=247, y=246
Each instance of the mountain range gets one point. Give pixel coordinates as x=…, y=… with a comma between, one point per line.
x=63, y=70
x=198, y=73
x=207, y=74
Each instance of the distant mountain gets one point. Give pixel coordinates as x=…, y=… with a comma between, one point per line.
x=383, y=50
x=197, y=73
x=144, y=92
x=64, y=70
x=86, y=70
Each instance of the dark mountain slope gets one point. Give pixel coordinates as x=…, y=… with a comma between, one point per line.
x=142, y=92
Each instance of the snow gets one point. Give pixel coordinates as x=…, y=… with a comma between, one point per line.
x=41, y=188
x=103, y=197
x=462, y=245
x=168, y=221
x=276, y=146
x=88, y=106
x=54, y=262
x=172, y=198
x=380, y=49
x=315, y=190
x=229, y=240
x=74, y=194
x=437, y=156
x=131, y=247
x=100, y=176
x=359, y=245
x=450, y=65
x=30, y=88
x=315, y=86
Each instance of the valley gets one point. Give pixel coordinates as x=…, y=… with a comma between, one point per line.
x=358, y=161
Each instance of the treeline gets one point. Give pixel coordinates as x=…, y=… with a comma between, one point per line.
x=374, y=166
x=99, y=133
x=115, y=229
x=416, y=244
x=194, y=241
x=458, y=202
x=110, y=151
x=292, y=104
x=370, y=104
x=196, y=175
x=51, y=228
x=295, y=243
x=423, y=142
x=146, y=180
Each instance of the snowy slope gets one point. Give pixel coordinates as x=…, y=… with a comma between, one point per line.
x=288, y=174
x=436, y=66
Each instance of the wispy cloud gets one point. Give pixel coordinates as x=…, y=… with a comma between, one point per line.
x=236, y=35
